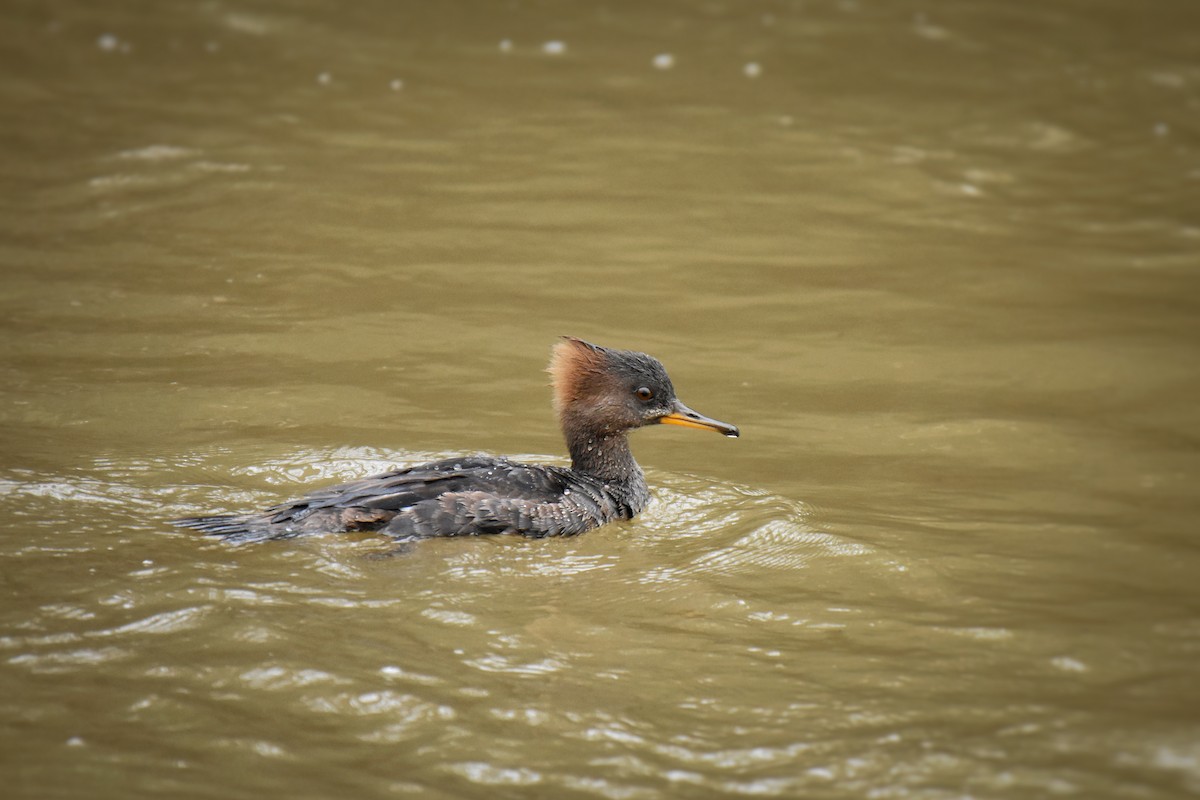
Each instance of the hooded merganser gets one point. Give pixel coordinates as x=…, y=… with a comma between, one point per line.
x=600, y=395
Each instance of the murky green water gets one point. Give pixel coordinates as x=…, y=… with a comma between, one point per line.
x=939, y=260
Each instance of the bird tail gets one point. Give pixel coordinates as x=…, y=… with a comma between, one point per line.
x=234, y=529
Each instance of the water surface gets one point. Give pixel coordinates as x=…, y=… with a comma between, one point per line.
x=938, y=261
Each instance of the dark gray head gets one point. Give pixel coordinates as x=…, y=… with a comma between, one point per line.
x=600, y=391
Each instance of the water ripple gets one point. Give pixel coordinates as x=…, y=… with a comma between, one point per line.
x=276, y=678
x=163, y=622
x=491, y=775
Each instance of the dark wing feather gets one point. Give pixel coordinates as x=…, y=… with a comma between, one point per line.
x=454, y=497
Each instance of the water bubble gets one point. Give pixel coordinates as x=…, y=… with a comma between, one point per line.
x=324, y=78
x=506, y=45
x=752, y=70
x=664, y=61
x=1068, y=664
x=396, y=85
x=554, y=48
x=108, y=42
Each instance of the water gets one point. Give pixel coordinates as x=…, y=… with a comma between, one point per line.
x=937, y=260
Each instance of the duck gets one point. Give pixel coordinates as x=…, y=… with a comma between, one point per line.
x=601, y=394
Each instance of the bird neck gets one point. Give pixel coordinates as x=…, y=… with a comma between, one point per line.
x=606, y=457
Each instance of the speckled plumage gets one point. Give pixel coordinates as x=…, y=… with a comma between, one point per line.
x=600, y=395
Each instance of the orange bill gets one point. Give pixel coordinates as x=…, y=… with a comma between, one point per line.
x=682, y=415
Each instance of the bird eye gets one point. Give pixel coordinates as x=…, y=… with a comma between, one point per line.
x=644, y=393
